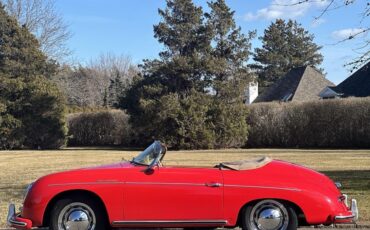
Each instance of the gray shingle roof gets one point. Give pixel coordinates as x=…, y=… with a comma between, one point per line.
x=299, y=84
x=356, y=85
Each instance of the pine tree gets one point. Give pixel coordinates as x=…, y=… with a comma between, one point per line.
x=186, y=42
x=180, y=69
x=285, y=45
x=19, y=51
x=230, y=72
x=230, y=53
x=170, y=99
x=115, y=87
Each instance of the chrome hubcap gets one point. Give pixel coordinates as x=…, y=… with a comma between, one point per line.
x=76, y=216
x=269, y=215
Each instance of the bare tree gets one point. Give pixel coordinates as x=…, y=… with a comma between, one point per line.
x=109, y=64
x=115, y=72
x=41, y=18
x=100, y=83
x=363, y=48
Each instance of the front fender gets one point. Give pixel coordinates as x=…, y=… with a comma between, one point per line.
x=44, y=191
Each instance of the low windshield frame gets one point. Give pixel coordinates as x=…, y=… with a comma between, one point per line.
x=155, y=151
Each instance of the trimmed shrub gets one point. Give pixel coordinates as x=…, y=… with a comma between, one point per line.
x=229, y=124
x=99, y=128
x=315, y=124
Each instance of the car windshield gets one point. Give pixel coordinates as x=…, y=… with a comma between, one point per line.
x=154, y=151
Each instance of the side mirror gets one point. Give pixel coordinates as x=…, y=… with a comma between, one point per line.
x=149, y=170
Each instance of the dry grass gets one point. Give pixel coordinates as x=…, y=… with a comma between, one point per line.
x=19, y=168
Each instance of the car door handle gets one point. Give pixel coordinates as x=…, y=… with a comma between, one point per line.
x=213, y=184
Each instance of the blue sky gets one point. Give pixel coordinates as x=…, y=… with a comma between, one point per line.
x=126, y=27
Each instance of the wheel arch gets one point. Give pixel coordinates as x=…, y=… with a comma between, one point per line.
x=298, y=210
x=73, y=193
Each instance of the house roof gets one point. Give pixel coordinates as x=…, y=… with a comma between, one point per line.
x=299, y=84
x=356, y=85
x=329, y=92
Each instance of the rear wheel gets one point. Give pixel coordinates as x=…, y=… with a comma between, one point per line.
x=77, y=214
x=269, y=215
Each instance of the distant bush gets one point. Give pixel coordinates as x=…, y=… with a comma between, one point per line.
x=98, y=128
x=322, y=124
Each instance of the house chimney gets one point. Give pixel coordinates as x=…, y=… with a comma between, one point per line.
x=251, y=92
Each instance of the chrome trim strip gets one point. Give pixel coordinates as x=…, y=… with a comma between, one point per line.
x=172, y=183
x=129, y=183
x=263, y=187
x=166, y=183
x=88, y=183
x=162, y=222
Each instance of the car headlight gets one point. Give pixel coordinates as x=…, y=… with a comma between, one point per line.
x=27, y=190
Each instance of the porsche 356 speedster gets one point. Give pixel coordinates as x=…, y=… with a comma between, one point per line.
x=256, y=194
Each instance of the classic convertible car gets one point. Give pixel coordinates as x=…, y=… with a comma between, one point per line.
x=259, y=194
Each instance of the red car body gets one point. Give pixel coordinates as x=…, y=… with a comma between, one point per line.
x=187, y=196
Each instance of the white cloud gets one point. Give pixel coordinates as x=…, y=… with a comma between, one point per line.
x=285, y=9
x=346, y=33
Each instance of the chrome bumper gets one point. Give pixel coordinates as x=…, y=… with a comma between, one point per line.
x=11, y=219
x=354, y=210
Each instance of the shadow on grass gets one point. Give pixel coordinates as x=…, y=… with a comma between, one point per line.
x=355, y=180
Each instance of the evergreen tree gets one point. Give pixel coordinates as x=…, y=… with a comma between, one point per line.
x=230, y=76
x=187, y=41
x=114, y=90
x=285, y=45
x=230, y=43
x=170, y=98
x=180, y=69
x=19, y=51
x=31, y=108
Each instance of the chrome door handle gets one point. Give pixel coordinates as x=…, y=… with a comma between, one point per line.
x=213, y=184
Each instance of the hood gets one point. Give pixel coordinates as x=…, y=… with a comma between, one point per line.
x=108, y=172
x=109, y=166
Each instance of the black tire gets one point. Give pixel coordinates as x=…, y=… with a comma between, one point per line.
x=64, y=208
x=287, y=216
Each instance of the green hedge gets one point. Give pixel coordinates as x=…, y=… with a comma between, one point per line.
x=317, y=124
x=102, y=128
x=339, y=123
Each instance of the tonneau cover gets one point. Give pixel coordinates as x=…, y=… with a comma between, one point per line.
x=246, y=164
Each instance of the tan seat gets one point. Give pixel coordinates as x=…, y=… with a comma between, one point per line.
x=246, y=164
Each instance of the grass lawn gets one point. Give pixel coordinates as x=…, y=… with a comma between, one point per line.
x=19, y=168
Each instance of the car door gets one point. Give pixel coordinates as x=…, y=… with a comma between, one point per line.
x=173, y=194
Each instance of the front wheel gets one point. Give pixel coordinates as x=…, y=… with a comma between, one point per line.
x=269, y=215
x=76, y=214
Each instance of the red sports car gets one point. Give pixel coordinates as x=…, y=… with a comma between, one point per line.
x=260, y=194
